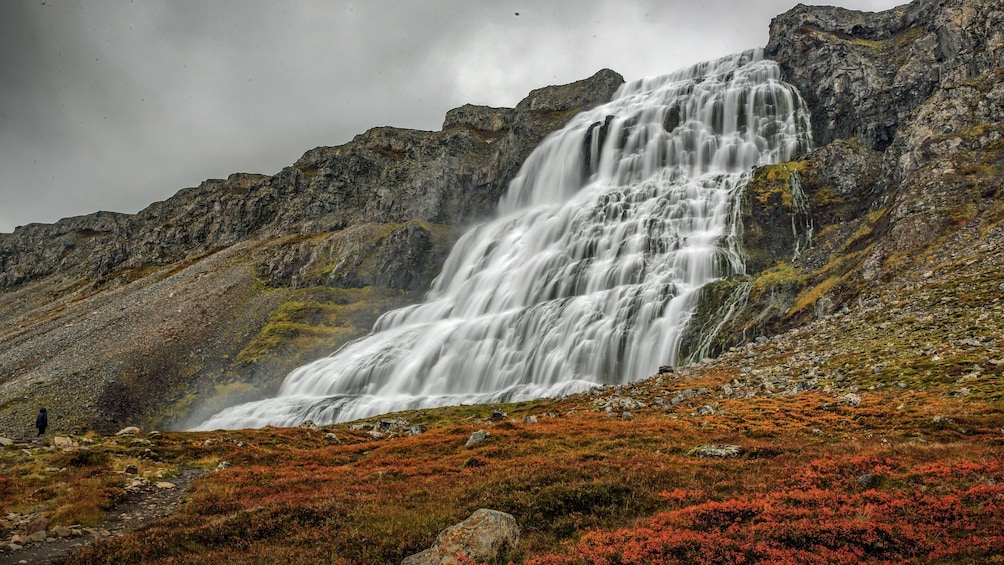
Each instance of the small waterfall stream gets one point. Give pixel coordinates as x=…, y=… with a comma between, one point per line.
x=590, y=272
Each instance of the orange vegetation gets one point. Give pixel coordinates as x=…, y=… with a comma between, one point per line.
x=844, y=484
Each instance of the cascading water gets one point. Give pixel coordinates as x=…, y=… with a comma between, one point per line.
x=591, y=270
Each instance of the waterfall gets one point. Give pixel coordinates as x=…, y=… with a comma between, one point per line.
x=589, y=273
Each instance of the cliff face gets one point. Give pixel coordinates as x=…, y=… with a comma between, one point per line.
x=905, y=183
x=217, y=292
x=386, y=175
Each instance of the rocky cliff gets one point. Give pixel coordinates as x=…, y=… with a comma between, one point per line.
x=906, y=182
x=111, y=319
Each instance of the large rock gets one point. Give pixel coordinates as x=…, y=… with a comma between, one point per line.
x=860, y=72
x=486, y=535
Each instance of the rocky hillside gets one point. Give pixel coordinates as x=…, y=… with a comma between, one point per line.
x=217, y=292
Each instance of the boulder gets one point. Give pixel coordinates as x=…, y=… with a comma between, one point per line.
x=35, y=526
x=477, y=438
x=486, y=535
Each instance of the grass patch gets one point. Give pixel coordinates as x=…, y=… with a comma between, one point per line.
x=315, y=321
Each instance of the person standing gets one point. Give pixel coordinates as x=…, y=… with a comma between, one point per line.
x=42, y=421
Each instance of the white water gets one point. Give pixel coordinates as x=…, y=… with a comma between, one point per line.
x=589, y=274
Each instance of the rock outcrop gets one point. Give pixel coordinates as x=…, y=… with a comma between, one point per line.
x=908, y=119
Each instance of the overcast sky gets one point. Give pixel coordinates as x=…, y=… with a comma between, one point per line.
x=115, y=104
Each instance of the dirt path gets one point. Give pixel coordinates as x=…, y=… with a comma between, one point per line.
x=146, y=505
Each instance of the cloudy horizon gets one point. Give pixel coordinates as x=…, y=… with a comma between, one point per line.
x=114, y=104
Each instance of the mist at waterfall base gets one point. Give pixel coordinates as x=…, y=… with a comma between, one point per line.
x=591, y=270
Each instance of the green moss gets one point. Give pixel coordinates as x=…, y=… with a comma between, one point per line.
x=314, y=321
x=962, y=214
x=825, y=196
x=783, y=277
x=896, y=42
x=864, y=230
x=867, y=42
x=771, y=184
x=809, y=297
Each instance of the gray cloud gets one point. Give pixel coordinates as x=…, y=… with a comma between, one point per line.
x=113, y=104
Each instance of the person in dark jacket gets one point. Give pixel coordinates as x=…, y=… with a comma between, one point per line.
x=42, y=421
